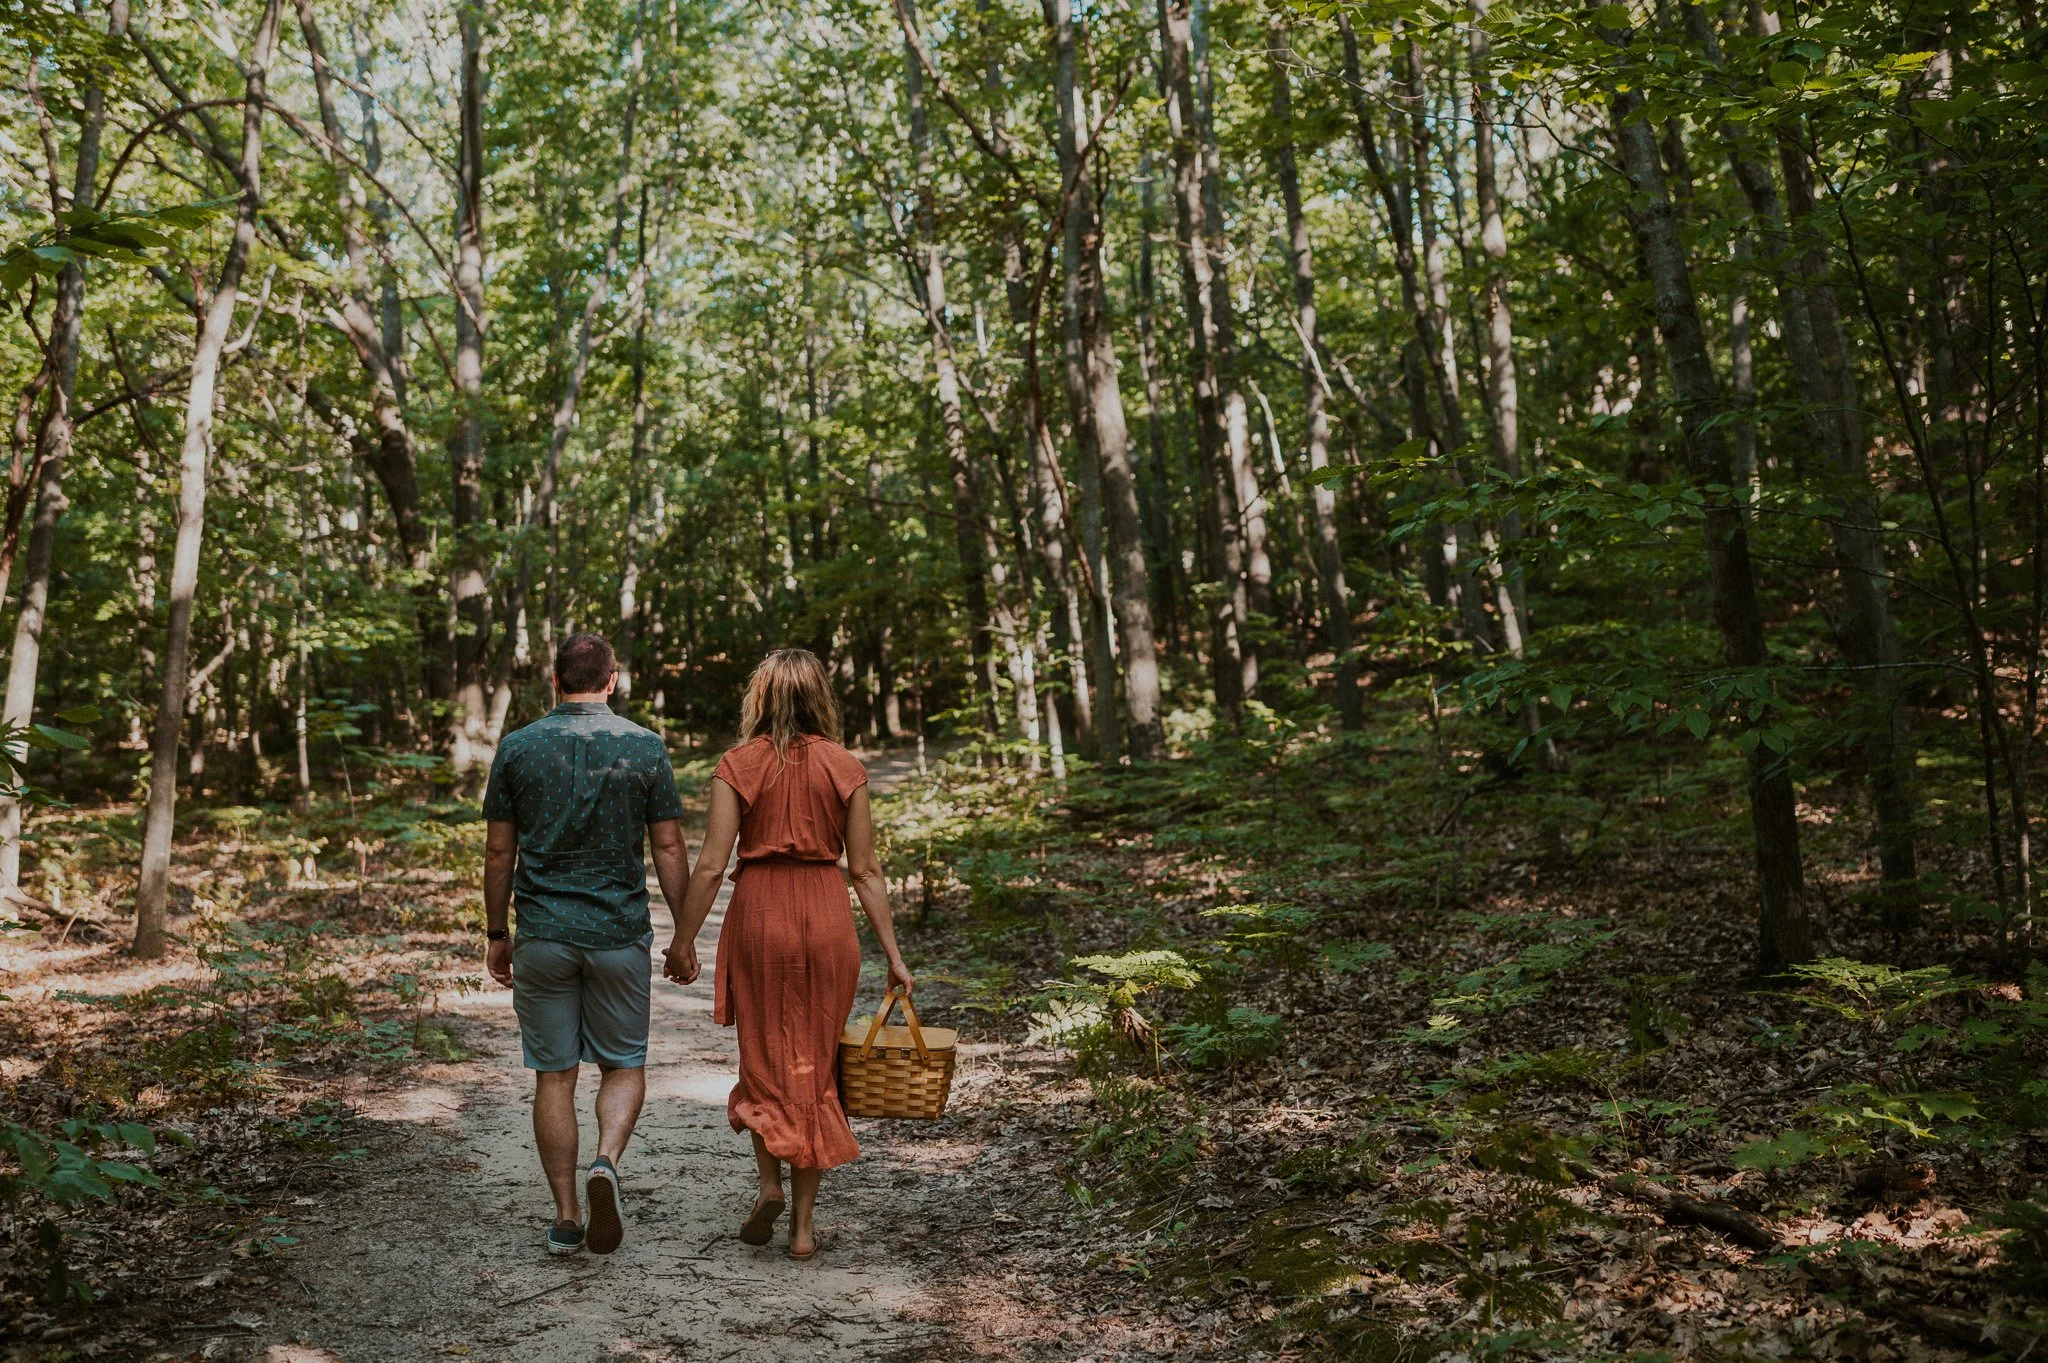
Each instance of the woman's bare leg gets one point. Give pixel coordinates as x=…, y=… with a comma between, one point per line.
x=803, y=1189
x=771, y=1172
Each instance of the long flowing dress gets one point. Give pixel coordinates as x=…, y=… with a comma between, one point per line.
x=788, y=955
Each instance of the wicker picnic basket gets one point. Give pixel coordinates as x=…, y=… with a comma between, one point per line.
x=889, y=1071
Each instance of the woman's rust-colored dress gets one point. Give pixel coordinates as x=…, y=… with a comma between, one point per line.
x=788, y=956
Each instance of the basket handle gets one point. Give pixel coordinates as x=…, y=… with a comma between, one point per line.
x=889, y=1003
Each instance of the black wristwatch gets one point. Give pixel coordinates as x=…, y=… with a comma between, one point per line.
x=496, y=934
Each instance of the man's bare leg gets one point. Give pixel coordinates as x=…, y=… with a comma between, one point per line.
x=554, y=1131
x=619, y=1096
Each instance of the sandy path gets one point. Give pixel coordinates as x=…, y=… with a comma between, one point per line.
x=437, y=1253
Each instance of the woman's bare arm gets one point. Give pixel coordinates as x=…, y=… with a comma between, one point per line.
x=872, y=887
x=680, y=963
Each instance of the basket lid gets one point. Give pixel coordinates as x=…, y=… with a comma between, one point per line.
x=898, y=1038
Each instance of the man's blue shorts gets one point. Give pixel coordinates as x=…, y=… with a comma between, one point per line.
x=587, y=1004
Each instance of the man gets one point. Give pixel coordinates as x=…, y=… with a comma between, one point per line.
x=568, y=797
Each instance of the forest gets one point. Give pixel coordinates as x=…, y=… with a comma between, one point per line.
x=1451, y=593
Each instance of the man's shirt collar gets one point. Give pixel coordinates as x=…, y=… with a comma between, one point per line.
x=582, y=707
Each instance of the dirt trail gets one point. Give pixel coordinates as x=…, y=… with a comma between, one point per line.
x=436, y=1254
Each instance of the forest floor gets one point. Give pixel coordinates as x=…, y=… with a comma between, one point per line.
x=376, y=1195
x=1451, y=1061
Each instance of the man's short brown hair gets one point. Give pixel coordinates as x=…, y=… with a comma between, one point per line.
x=584, y=663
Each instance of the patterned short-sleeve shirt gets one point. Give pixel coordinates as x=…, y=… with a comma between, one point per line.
x=581, y=785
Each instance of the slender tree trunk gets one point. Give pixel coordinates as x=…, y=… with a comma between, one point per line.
x=930, y=284
x=1868, y=632
x=372, y=327
x=469, y=746
x=1250, y=523
x=636, y=482
x=1434, y=389
x=1329, y=555
x=53, y=448
x=1166, y=566
x=1106, y=740
x=1742, y=373
x=1817, y=346
x=390, y=311
x=1130, y=583
x=1784, y=936
x=1473, y=545
x=1043, y=461
x=546, y=508
x=300, y=737
x=1232, y=663
x=1503, y=389
x=152, y=893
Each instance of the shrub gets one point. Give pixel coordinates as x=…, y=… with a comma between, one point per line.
x=1242, y=1037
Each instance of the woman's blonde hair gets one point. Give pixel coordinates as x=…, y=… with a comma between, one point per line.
x=789, y=695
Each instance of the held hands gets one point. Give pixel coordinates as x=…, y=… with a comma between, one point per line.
x=680, y=962
x=498, y=960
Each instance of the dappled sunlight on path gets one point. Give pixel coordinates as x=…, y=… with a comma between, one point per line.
x=440, y=1256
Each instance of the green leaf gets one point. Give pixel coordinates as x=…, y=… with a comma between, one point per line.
x=80, y=714
x=59, y=738
x=1343, y=957
x=137, y=1135
x=131, y=236
x=1919, y=1035
x=196, y=214
x=1149, y=967
x=1332, y=473
x=1788, y=75
x=129, y=1173
x=1698, y=722
x=1612, y=16
x=1782, y=1152
x=1956, y=1107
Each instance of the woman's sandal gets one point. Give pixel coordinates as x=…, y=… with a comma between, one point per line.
x=760, y=1227
x=819, y=1240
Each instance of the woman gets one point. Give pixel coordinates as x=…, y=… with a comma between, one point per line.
x=788, y=957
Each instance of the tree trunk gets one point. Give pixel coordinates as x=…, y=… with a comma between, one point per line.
x=1329, y=554
x=153, y=890
x=469, y=746
x=1742, y=373
x=1503, y=391
x=1472, y=545
x=929, y=282
x=1435, y=398
x=545, y=506
x=636, y=482
x=53, y=448
x=1784, y=936
x=1166, y=566
x=1232, y=663
x=1043, y=461
x=1130, y=582
x=1817, y=346
x=372, y=329
x=1106, y=740
x=1868, y=632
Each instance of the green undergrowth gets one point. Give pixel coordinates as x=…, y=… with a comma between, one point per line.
x=1366, y=1017
x=326, y=943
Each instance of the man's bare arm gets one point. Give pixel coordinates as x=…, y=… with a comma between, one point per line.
x=671, y=861
x=501, y=851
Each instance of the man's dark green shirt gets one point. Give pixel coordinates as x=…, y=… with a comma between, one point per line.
x=582, y=784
